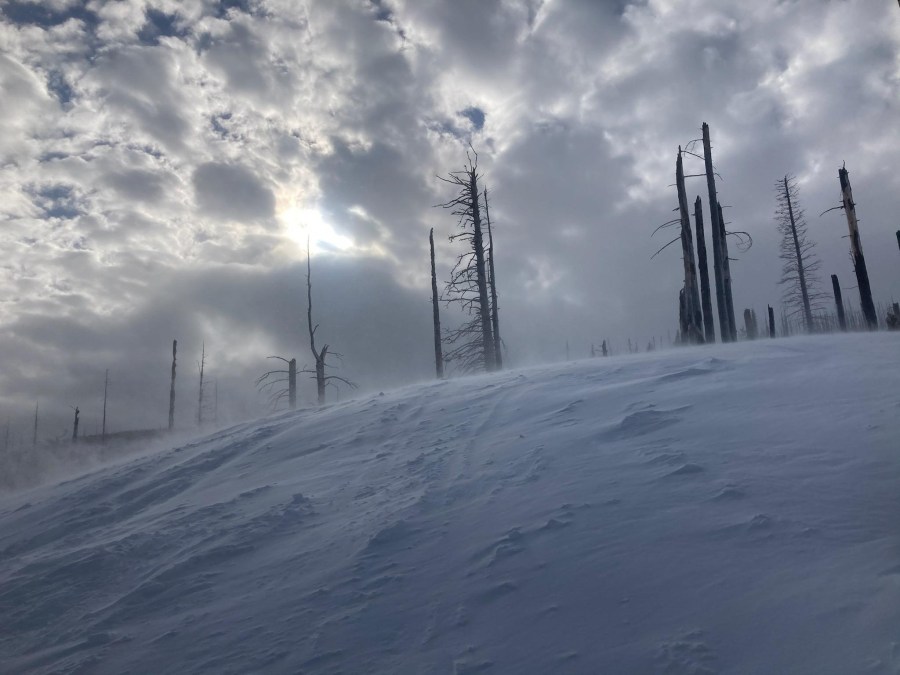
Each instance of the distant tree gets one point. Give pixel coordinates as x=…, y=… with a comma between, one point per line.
x=201, y=366
x=472, y=344
x=436, y=314
x=74, y=426
x=172, y=387
x=799, y=275
x=319, y=355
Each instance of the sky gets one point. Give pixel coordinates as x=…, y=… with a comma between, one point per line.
x=163, y=164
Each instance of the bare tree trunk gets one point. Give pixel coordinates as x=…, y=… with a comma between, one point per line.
x=75, y=426
x=200, y=392
x=898, y=231
x=839, y=302
x=172, y=387
x=319, y=356
x=750, y=324
x=693, y=317
x=495, y=318
x=716, y=228
x=105, y=390
x=436, y=314
x=292, y=383
x=726, y=277
x=34, y=436
x=807, y=312
x=771, y=322
x=709, y=327
x=859, y=260
x=484, y=307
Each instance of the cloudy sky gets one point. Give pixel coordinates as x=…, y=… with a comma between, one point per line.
x=163, y=162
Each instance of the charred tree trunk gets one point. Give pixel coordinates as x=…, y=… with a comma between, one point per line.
x=859, y=260
x=715, y=227
x=292, y=383
x=750, y=324
x=693, y=322
x=807, y=312
x=709, y=326
x=75, y=426
x=839, y=302
x=200, y=391
x=726, y=277
x=172, y=387
x=495, y=318
x=319, y=356
x=105, y=391
x=487, y=335
x=771, y=322
x=436, y=314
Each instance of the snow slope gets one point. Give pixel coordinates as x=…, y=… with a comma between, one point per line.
x=731, y=509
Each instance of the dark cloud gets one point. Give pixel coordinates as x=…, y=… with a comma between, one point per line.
x=163, y=164
x=232, y=192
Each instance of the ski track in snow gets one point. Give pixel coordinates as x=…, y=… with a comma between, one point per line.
x=729, y=509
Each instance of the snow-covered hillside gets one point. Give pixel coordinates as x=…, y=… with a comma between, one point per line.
x=732, y=509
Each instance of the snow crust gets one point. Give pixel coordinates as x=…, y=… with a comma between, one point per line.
x=730, y=509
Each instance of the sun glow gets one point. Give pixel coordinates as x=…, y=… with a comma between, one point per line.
x=303, y=223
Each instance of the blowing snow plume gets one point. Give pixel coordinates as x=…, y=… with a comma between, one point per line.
x=628, y=515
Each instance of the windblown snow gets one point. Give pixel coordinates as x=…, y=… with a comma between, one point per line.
x=729, y=509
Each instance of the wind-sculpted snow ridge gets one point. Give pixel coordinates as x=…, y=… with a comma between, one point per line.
x=730, y=509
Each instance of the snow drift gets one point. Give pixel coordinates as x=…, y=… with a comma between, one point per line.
x=731, y=509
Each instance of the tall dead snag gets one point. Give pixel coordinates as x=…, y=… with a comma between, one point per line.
x=859, y=260
x=74, y=426
x=472, y=344
x=692, y=321
x=709, y=327
x=717, y=229
x=801, y=265
x=436, y=314
x=771, y=322
x=105, y=391
x=172, y=387
x=726, y=277
x=318, y=354
x=201, y=366
x=495, y=317
x=839, y=302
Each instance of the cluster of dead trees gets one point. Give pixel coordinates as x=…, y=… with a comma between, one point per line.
x=696, y=323
x=475, y=345
x=803, y=295
x=280, y=385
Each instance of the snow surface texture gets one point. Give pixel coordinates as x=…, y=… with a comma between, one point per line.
x=731, y=509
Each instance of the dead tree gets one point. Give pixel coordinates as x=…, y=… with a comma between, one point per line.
x=201, y=366
x=717, y=229
x=799, y=276
x=105, y=390
x=709, y=327
x=172, y=387
x=859, y=260
x=726, y=276
x=74, y=426
x=750, y=324
x=320, y=355
x=839, y=302
x=495, y=318
x=280, y=384
x=472, y=344
x=771, y=321
x=34, y=436
x=436, y=314
x=692, y=326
